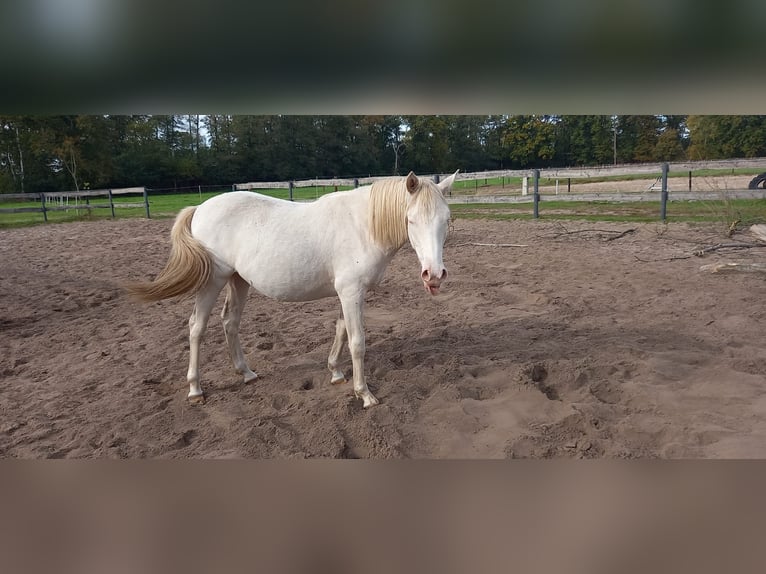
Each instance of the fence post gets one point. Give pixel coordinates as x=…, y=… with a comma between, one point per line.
x=146, y=203
x=290, y=189
x=356, y=183
x=664, y=193
x=437, y=178
x=111, y=201
x=536, y=196
x=45, y=209
x=690, y=180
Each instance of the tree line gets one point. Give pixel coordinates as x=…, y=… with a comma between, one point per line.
x=73, y=152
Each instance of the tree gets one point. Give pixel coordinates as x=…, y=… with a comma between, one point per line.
x=584, y=140
x=742, y=136
x=717, y=137
x=11, y=156
x=637, y=138
x=496, y=153
x=51, y=153
x=68, y=154
x=427, y=144
x=668, y=146
x=531, y=140
x=218, y=160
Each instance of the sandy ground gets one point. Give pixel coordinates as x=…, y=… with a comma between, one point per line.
x=581, y=344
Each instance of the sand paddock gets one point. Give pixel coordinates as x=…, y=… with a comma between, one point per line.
x=581, y=344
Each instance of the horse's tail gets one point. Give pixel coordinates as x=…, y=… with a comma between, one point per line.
x=188, y=267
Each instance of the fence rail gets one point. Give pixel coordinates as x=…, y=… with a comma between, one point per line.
x=531, y=180
x=649, y=169
x=663, y=197
x=612, y=197
x=60, y=201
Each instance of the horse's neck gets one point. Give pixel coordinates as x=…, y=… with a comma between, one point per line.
x=386, y=222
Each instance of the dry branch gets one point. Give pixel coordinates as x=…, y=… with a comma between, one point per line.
x=619, y=235
x=677, y=258
x=726, y=267
x=704, y=250
x=759, y=231
x=615, y=234
x=711, y=248
x=492, y=244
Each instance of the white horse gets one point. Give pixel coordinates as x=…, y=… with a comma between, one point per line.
x=339, y=244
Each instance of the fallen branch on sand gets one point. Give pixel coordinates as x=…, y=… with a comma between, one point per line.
x=726, y=267
x=704, y=250
x=492, y=244
x=711, y=248
x=677, y=258
x=759, y=231
x=614, y=234
x=623, y=234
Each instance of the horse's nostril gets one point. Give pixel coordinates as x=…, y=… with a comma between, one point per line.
x=444, y=275
x=425, y=275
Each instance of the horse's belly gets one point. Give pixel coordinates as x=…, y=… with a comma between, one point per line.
x=284, y=292
x=287, y=284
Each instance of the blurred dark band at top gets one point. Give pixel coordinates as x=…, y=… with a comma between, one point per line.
x=595, y=56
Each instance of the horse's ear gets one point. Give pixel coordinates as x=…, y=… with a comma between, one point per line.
x=412, y=182
x=447, y=183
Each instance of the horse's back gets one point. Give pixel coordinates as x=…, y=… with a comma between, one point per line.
x=283, y=249
x=240, y=222
x=233, y=205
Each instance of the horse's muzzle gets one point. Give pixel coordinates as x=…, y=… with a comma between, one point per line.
x=431, y=281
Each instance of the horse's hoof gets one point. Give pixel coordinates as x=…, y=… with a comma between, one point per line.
x=197, y=399
x=338, y=381
x=370, y=402
x=250, y=377
x=368, y=399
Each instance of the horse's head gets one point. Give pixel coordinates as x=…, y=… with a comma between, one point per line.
x=428, y=217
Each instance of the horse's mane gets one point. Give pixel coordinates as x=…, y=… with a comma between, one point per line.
x=388, y=209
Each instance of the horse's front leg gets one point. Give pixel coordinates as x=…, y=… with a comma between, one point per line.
x=353, y=309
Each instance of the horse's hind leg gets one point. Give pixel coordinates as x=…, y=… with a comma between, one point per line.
x=333, y=360
x=205, y=299
x=236, y=297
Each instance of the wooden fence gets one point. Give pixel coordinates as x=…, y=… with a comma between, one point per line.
x=80, y=200
x=648, y=169
x=75, y=200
